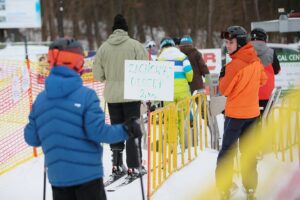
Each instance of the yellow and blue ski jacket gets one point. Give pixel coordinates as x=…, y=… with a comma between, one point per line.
x=183, y=72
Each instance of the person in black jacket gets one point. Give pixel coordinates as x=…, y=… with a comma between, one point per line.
x=271, y=64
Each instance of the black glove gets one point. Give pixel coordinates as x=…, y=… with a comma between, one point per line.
x=133, y=127
x=150, y=107
x=222, y=73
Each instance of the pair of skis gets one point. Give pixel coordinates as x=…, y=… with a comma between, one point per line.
x=127, y=181
x=113, y=179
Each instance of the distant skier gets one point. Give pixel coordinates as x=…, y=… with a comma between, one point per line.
x=176, y=41
x=67, y=122
x=271, y=64
x=198, y=64
x=183, y=72
x=239, y=81
x=152, y=49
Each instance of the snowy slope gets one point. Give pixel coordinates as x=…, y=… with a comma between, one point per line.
x=26, y=181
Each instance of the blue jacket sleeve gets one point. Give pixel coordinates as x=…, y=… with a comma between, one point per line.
x=94, y=122
x=30, y=131
x=188, y=70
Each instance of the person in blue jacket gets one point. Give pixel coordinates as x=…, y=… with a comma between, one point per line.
x=67, y=122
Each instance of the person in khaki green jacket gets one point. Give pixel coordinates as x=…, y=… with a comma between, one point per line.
x=109, y=67
x=239, y=81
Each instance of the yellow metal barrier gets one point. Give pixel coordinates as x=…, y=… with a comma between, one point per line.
x=163, y=146
x=280, y=134
x=176, y=139
x=175, y=135
x=287, y=136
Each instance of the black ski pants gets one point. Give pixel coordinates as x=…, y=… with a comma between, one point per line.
x=93, y=190
x=263, y=103
x=235, y=129
x=119, y=113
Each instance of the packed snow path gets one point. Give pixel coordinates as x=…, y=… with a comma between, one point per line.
x=26, y=181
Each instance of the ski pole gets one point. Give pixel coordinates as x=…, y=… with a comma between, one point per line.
x=136, y=141
x=44, y=190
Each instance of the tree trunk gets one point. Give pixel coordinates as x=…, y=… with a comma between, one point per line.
x=75, y=19
x=45, y=13
x=244, y=5
x=195, y=24
x=140, y=22
x=52, y=27
x=209, y=43
x=89, y=31
x=256, y=10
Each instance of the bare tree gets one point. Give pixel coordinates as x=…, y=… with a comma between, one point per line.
x=173, y=17
x=209, y=23
x=256, y=9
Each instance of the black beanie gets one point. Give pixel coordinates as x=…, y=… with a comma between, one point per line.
x=120, y=23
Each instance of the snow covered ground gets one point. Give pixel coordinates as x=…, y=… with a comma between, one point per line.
x=26, y=181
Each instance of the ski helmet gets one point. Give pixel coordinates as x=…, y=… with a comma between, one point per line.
x=259, y=34
x=177, y=40
x=66, y=52
x=167, y=42
x=237, y=32
x=150, y=44
x=186, y=40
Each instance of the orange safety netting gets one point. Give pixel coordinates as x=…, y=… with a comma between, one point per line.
x=18, y=88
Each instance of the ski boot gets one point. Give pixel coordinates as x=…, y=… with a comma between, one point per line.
x=136, y=172
x=132, y=174
x=118, y=169
x=142, y=171
x=251, y=194
x=224, y=195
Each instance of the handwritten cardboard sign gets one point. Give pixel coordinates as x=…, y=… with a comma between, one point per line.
x=149, y=80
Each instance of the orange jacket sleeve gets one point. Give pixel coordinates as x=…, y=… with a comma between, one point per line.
x=227, y=83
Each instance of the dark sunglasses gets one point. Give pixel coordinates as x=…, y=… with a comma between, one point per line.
x=227, y=35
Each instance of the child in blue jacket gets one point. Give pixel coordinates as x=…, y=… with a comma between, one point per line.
x=67, y=122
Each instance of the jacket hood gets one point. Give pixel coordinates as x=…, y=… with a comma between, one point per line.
x=171, y=53
x=117, y=37
x=187, y=49
x=263, y=52
x=246, y=53
x=61, y=82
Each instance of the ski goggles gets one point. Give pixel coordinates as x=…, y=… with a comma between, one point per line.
x=227, y=35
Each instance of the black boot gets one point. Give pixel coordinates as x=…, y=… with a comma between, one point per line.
x=115, y=157
x=225, y=195
x=251, y=194
x=117, y=160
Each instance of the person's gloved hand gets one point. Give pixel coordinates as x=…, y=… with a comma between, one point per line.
x=222, y=73
x=150, y=107
x=133, y=127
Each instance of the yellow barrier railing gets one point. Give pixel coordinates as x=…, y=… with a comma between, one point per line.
x=279, y=134
x=287, y=136
x=175, y=138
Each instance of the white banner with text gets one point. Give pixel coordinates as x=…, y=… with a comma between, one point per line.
x=149, y=80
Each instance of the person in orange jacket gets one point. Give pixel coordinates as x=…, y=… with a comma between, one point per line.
x=239, y=81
